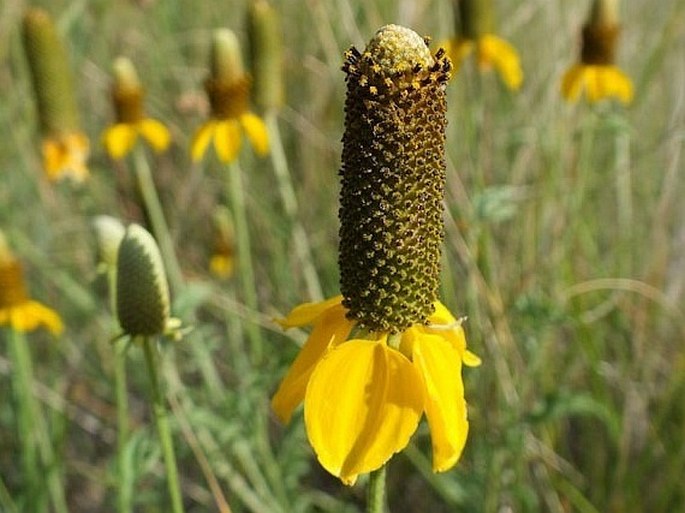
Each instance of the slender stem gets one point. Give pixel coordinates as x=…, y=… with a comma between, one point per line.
x=247, y=279
x=163, y=430
x=376, y=492
x=124, y=481
x=33, y=428
x=289, y=200
x=154, y=209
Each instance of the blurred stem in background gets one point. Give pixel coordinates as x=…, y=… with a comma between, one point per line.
x=34, y=434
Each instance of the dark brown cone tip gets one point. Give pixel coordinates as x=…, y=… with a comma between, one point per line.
x=599, y=44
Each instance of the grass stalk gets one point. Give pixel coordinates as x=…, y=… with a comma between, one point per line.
x=163, y=430
x=33, y=430
x=289, y=200
x=153, y=207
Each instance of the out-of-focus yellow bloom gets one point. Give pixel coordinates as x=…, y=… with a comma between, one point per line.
x=17, y=310
x=491, y=52
x=364, y=397
x=598, y=82
x=228, y=89
x=222, y=262
x=475, y=33
x=127, y=96
x=596, y=74
x=65, y=147
x=65, y=155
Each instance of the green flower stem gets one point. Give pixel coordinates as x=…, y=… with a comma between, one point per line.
x=33, y=429
x=246, y=271
x=163, y=430
x=289, y=199
x=124, y=480
x=376, y=492
x=154, y=209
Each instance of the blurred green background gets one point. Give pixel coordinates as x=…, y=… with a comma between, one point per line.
x=565, y=249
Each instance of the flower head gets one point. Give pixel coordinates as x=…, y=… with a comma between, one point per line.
x=475, y=33
x=596, y=74
x=65, y=147
x=266, y=52
x=228, y=89
x=17, y=309
x=127, y=97
x=222, y=261
x=386, y=351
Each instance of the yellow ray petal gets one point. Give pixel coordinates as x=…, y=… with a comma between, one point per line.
x=227, y=140
x=65, y=155
x=155, y=133
x=256, y=132
x=30, y=315
x=119, y=139
x=617, y=84
x=201, y=140
x=330, y=330
x=363, y=403
x=572, y=82
x=494, y=51
x=306, y=313
x=439, y=363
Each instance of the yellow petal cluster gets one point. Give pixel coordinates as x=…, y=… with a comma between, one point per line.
x=120, y=138
x=598, y=82
x=227, y=136
x=364, y=397
x=491, y=52
x=65, y=156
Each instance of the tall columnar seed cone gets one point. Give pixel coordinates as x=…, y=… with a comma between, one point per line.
x=142, y=289
x=476, y=18
x=600, y=34
x=127, y=92
x=52, y=79
x=266, y=52
x=228, y=86
x=393, y=180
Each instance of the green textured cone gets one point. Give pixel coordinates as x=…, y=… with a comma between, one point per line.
x=393, y=180
x=52, y=80
x=142, y=289
x=266, y=53
x=475, y=18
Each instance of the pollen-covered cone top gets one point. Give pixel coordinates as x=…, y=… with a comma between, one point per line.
x=393, y=179
x=142, y=289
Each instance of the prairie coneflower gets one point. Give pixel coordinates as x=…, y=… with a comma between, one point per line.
x=228, y=89
x=475, y=33
x=65, y=147
x=222, y=261
x=596, y=74
x=386, y=350
x=127, y=97
x=17, y=309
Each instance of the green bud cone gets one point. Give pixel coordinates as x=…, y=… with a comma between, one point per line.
x=393, y=180
x=142, y=289
x=52, y=79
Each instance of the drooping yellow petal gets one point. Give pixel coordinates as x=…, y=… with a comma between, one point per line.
x=119, y=139
x=30, y=315
x=496, y=52
x=363, y=403
x=201, y=140
x=439, y=363
x=617, y=84
x=331, y=329
x=155, y=133
x=256, y=132
x=572, y=82
x=221, y=266
x=306, y=313
x=227, y=140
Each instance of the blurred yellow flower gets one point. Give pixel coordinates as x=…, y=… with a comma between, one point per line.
x=127, y=97
x=65, y=155
x=222, y=265
x=364, y=397
x=598, y=82
x=491, y=52
x=17, y=310
x=228, y=89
